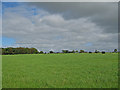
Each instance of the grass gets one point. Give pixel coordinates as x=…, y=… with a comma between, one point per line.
x=60, y=71
x=0, y=72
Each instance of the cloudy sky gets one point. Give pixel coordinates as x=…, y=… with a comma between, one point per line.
x=61, y=25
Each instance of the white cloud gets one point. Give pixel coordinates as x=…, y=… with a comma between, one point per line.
x=0, y=24
x=60, y=1
x=46, y=31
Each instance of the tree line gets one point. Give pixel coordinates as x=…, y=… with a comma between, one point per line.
x=22, y=50
x=19, y=50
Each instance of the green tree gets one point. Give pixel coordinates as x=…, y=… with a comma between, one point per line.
x=82, y=51
x=115, y=50
x=10, y=50
x=96, y=51
x=41, y=52
x=76, y=51
x=19, y=50
x=65, y=51
x=73, y=51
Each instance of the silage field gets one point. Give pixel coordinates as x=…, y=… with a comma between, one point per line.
x=60, y=71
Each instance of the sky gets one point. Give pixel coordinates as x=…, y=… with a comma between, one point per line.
x=60, y=0
x=60, y=25
x=0, y=24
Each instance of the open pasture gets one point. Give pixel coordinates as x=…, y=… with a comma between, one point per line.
x=79, y=70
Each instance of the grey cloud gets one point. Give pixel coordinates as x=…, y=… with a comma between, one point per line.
x=57, y=31
x=0, y=25
x=104, y=14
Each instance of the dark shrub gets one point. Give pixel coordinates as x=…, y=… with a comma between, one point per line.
x=90, y=52
x=51, y=52
x=103, y=52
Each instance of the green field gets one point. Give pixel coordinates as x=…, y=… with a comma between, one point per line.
x=60, y=71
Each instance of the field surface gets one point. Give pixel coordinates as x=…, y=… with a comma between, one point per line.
x=60, y=71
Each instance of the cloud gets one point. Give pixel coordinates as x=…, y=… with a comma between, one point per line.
x=0, y=24
x=103, y=13
x=46, y=30
x=60, y=1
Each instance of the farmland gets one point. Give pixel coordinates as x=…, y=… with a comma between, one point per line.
x=78, y=70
